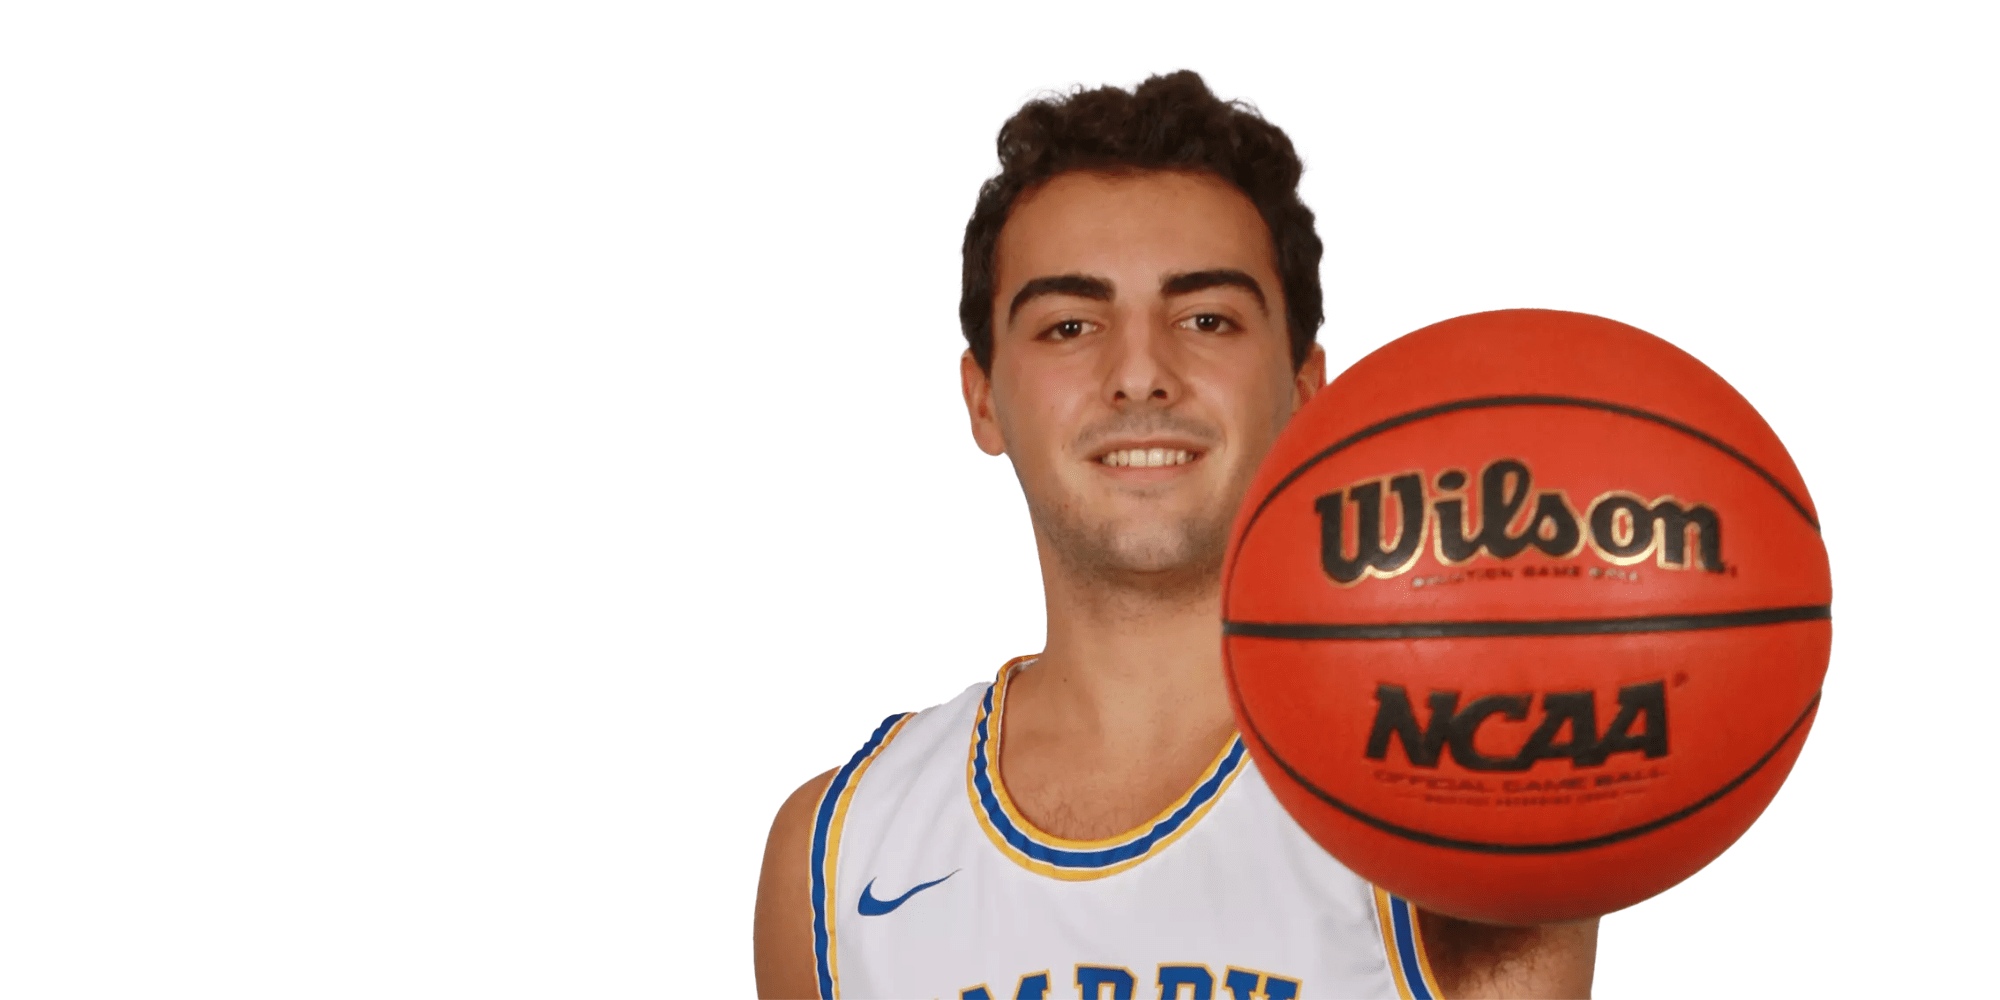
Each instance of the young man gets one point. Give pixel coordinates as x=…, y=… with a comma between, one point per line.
x=1141, y=296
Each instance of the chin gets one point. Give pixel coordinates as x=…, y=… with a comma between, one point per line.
x=1187, y=550
x=1148, y=549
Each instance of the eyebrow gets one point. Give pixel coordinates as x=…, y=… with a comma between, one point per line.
x=1195, y=281
x=1082, y=286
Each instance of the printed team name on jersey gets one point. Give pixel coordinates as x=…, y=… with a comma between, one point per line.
x=1622, y=528
x=1175, y=980
x=1456, y=729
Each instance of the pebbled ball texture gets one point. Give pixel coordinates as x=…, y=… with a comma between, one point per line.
x=1526, y=616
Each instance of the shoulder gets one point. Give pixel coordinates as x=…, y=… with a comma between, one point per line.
x=784, y=914
x=917, y=736
x=783, y=931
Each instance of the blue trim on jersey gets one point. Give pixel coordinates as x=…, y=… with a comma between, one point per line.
x=1063, y=858
x=822, y=827
x=1404, y=921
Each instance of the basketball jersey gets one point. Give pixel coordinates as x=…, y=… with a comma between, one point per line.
x=928, y=882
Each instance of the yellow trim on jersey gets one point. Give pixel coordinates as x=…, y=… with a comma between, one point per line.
x=1406, y=964
x=1076, y=860
x=1027, y=825
x=848, y=780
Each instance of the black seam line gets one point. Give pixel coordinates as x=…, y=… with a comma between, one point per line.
x=1576, y=626
x=1564, y=847
x=1491, y=403
x=1494, y=402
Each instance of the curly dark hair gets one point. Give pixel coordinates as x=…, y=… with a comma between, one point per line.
x=1170, y=122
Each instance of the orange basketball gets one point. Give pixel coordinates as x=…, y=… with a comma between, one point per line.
x=1526, y=616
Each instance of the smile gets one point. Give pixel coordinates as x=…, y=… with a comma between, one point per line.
x=1147, y=458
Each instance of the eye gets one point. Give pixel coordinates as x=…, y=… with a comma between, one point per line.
x=1068, y=329
x=1209, y=323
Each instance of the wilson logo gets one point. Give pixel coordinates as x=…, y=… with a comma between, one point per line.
x=1621, y=528
x=1640, y=725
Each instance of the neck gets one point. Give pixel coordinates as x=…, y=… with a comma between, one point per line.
x=1133, y=662
x=1124, y=708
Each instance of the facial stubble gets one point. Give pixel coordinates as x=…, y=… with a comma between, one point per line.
x=1179, y=559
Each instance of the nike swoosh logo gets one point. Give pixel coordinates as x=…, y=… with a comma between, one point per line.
x=872, y=907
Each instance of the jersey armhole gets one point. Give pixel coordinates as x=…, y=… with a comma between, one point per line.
x=1403, y=945
x=824, y=857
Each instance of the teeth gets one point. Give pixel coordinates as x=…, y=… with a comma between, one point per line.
x=1146, y=458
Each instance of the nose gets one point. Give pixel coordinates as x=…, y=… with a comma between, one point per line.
x=1144, y=365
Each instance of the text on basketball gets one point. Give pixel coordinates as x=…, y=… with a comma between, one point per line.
x=1510, y=517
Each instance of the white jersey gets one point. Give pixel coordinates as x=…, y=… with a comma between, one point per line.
x=928, y=882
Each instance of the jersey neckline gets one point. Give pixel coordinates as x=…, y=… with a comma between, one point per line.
x=1076, y=860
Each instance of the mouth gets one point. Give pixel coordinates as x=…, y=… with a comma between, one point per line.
x=1147, y=458
x=1148, y=455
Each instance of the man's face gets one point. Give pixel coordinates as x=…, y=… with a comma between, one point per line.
x=1140, y=371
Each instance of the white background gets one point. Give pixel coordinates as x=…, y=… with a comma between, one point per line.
x=462, y=465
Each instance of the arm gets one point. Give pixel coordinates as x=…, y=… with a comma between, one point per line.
x=1483, y=960
x=783, y=935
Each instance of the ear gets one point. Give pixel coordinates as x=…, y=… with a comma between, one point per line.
x=1310, y=378
x=978, y=389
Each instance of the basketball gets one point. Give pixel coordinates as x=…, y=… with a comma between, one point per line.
x=1526, y=616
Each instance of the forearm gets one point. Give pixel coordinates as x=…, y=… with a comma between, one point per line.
x=1481, y=960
